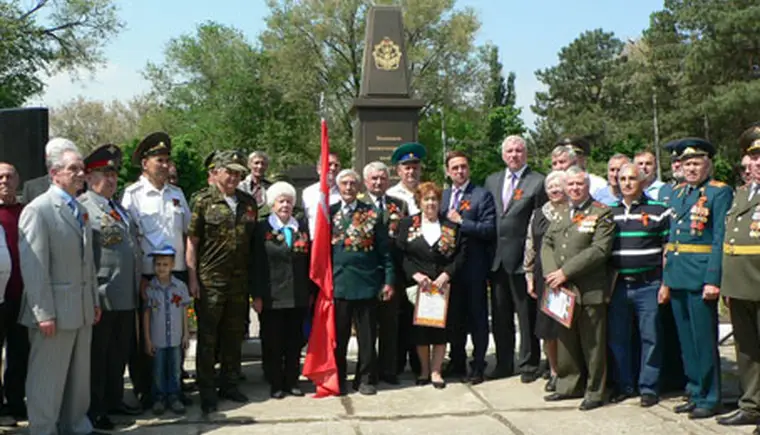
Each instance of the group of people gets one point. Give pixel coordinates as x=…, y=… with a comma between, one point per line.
x=96, y=284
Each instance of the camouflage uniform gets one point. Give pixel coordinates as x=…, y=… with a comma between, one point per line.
x=223, y=260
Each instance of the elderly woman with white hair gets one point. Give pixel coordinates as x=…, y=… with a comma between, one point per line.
x=281, y=288
x=547, y=329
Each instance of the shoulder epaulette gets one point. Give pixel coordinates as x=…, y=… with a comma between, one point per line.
x=653, y=202
x=132, y=187
x=716, y=183
x=599, y=204
x=679, y=186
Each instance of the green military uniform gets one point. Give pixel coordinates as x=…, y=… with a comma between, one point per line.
x=581, y=246
x=389, y=336
x=223, y=259
x=362, y=264
x=741, y=280
x=693, y=260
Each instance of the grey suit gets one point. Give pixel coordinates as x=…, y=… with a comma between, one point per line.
x=509, y=292
x=118, y=260
x=35, y=187
x=59, y=284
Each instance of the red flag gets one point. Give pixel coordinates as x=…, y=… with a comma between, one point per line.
x=319, y=365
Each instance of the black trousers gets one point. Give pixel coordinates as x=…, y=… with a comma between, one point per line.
x=468, y=313
x=509, y=296
x=16, y=339
x=407, y=350
x=388, y=333
x=111, y=341
x=282, y=340
x=364, y=313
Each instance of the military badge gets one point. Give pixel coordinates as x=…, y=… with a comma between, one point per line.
x=517, y=195
x=447, y=242
x=274, y=235
x=387, y=55
x=249, y=215
x=175, y=201
x=359, y=234
x=416, y=229
x=754, y=229
x=301, y=244
x=176, y=299
x=586, y=224
x=699, y=216
x=115, y=215
x=394, y=216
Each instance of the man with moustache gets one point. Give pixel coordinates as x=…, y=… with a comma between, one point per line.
x=254, y=183
x=611, y=193
x=473, y=209
x=666, y=191
x=162, y=216
x=517, y=191
x=575, y=253
x=746, y=170
x=15, y=335
x=118, y=260
x=407, y=158
x=391, y=337
x=563, y=157
x=311, y=194
x=647, y=163
x=739, y=284
x=692, y=276
x=60, y=300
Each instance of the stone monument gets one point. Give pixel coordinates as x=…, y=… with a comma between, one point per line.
x=23, y=135
x=386, y=112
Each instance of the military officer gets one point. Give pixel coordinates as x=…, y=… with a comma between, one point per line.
x=362, y=274
x=692, y=274
x=118, y=261
x=575, y=255
x=740, y=283
x=391, y=338
x=218, y=258
x=407, y=158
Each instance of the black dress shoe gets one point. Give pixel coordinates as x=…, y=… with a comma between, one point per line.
x=125, y=409
x=739, y=418
x=367, y=390
x=455, y=370
x=208, y=406
x=102, y=422
x=390, y=379
x=556, y=397
x=500, y=373
x=588, y=405
x=233, y=394
x=551, y=385
x=476, y=377
x=295, y=392
x=529, y=377
x=700, y=413
x=648, y=400
x=439, y=385
x=422, y=381
x=620, y=397
x=279, y=394
x=684, y=408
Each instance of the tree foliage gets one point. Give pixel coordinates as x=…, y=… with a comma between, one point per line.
x=48, y=36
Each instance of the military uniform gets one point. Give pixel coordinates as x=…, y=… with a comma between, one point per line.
x=362, y=264
x=580, y=243
x=391, y=337
x=118, y=260
x=223, y=257
x=741, y=284
x=693, y=260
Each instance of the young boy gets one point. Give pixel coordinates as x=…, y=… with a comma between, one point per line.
x=165, y=326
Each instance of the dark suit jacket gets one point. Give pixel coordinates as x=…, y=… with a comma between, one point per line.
x=282, y=272
x=34, y=188
x=512, y=225
x=361, y=256
x=478, y=227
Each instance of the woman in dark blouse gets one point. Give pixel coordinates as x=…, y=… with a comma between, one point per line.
x=432, y=252
x=547, y=329
x=281, y=289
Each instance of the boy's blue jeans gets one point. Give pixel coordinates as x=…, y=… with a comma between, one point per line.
x=166, y=373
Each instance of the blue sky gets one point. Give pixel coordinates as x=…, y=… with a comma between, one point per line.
x=529, y=35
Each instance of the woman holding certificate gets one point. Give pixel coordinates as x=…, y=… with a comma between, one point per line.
x=432, y=252
x=547, y=329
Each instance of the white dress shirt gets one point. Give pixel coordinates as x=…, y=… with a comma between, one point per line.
x=277, y=224
x=162, y=216
x=431, y=231
x=401, y=192
x=310, y=199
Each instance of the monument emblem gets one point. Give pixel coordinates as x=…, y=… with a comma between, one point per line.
x=387, y=55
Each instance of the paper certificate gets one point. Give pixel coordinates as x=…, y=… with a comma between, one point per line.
x=431, y=307
x=559, y=305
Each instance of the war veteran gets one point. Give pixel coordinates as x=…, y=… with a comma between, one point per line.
x=218, y=258
x=407, y=158
x=740, y=283
x=692, y=274
x=118, y=261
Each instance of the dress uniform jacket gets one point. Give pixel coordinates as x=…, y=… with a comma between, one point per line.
x=581, y=245
x=741, y=275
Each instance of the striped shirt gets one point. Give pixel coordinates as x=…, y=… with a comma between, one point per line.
x=641, y=233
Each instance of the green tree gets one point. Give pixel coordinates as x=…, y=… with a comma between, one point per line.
x=46, y=36
x=318, y=47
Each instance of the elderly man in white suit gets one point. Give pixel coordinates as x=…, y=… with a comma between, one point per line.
x=60, y=302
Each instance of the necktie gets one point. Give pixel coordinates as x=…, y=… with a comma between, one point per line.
x=457, y=199
x=380, y=203
x=689, y=190
x=288, y=236
x=509, y=190
x=75, y=211
x=754, y=191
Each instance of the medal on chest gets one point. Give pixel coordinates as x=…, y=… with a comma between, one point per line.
x=585, y=224
x=754, y=227
x=699, y=215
